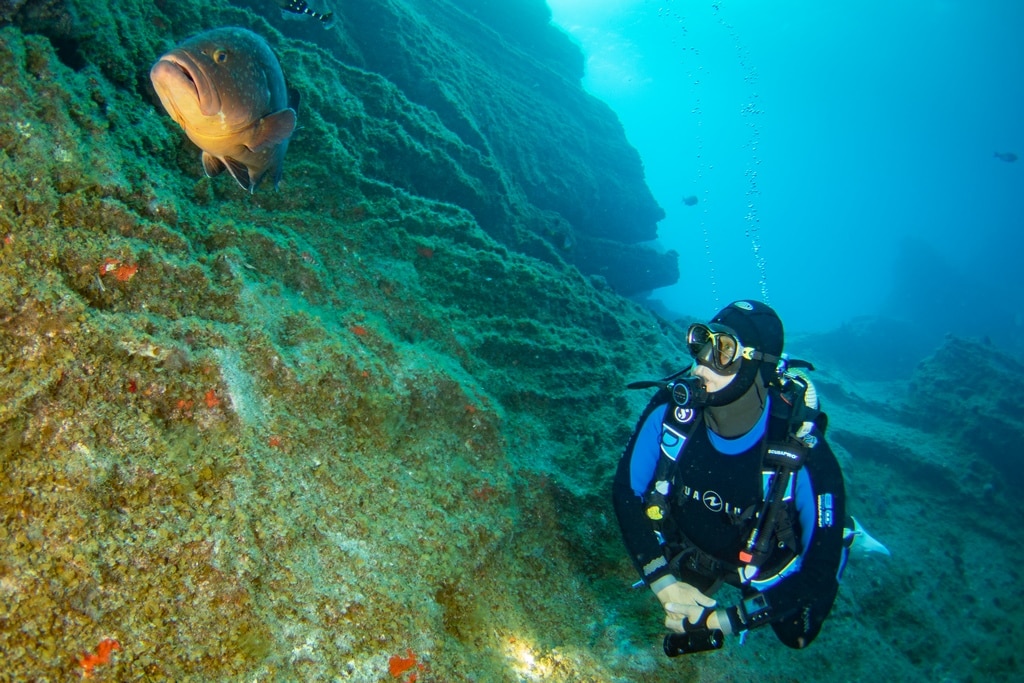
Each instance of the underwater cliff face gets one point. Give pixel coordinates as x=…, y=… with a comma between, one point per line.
x=543, y=166
x=289, y=434
x=359, y=426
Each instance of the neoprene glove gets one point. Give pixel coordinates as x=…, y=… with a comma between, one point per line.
x=685, y=605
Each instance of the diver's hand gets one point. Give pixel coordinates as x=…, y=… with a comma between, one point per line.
x=720, y=619
x=684, y=605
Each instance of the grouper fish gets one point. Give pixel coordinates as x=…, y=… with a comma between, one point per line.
x=225, y=88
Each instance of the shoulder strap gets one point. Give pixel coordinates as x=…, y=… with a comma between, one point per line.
x=677, y=427
x=785, y=458
x=795, y=400
x=794, y=413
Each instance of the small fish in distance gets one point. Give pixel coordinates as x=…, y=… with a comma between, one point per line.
x=300, y=9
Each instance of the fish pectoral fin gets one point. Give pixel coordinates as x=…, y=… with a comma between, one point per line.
x=273, y=129
x=212, y=165
x=239, y=172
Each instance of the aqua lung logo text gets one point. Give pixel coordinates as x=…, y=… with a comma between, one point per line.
x=712, y=501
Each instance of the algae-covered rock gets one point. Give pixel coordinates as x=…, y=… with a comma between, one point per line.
x=506, y=82
x=286, y=435
x=970, y=392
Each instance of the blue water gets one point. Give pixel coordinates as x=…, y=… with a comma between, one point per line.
x=842, y=153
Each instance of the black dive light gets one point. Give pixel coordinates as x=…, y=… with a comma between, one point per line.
x=752, y=612
x=698, y=640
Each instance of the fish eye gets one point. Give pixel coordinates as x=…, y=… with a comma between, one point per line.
x=220, y=56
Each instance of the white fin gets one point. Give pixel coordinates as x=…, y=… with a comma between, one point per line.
x=863, y=543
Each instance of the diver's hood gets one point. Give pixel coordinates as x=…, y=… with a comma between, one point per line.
x=758, y=326
x=738, y=417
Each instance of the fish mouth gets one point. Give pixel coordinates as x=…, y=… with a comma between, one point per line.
x=179, y=75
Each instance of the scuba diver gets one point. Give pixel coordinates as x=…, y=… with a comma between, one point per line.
x=728, y=479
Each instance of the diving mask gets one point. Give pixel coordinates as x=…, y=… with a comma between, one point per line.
x=718, y=348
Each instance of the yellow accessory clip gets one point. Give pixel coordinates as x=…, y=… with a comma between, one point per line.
x=654, y=512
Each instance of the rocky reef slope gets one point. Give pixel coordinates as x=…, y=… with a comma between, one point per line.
x=361, y=428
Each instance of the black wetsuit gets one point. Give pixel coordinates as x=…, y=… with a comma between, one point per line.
x=717, y=485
